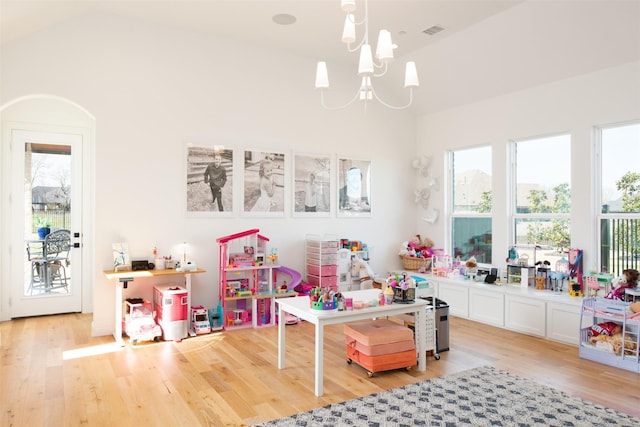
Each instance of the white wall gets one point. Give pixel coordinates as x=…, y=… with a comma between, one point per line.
x=153, y=90
x=573, y=105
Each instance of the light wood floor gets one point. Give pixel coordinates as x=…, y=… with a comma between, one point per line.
x=48, y=377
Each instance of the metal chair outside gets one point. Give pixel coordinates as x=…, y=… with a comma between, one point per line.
x=49, y=267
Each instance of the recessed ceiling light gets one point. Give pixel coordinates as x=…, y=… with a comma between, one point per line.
x=284, y=19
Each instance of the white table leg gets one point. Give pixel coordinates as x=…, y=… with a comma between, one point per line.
x=319, y=358
x=281, y=337
x=117, y=334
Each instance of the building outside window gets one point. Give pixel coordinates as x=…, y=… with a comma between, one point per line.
x=470, y=174
x=619, y=197
x=542, y=198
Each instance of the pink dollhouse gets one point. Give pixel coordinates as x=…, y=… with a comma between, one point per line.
x=246, y=280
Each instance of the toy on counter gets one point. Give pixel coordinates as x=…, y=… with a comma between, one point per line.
x=628, y=279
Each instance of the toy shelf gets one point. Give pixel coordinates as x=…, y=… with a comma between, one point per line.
x=598, y=310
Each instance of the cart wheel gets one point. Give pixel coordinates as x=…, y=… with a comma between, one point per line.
x=156, y=339
x=437, y=357
x=349, y=361
x=408, y=368
x=134, y=342
x=369, y=374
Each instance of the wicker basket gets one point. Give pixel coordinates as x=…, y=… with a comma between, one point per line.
x=415, y=263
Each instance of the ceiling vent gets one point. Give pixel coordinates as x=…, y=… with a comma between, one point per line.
x=433, y=30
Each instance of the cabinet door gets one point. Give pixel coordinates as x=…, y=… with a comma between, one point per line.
x=563, y=322
x=486, y=306
x=524, y=314
x=457, y=297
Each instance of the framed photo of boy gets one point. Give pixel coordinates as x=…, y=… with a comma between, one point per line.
x=312, y=185
x=264, y=183
x=209, y=180
x=354, y=187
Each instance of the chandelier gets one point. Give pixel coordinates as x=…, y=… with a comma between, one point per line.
x=367, y=67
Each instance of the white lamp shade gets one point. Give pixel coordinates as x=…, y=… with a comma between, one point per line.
x=349, y=31
x=348, y=5
x=384, y=50
x=411, y=75
x=322, y=77
x=365, y=66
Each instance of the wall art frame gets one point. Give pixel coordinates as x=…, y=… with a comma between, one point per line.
x=209, y=181
x=264, y=183
x=312, y=186
x=354, y=187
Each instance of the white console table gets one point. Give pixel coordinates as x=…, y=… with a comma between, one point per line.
x=122, y=278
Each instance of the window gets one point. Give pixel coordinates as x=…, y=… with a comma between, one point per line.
x=619, y=216
x=471, y=203
x=542, y=198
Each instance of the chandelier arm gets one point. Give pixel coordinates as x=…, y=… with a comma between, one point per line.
x=384, y=65
x=354, y=99
x=355, y=49
x=393, y=107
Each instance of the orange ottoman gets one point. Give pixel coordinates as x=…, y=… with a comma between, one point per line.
x=380, y=345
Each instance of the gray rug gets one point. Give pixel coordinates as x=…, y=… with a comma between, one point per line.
x=478, y=397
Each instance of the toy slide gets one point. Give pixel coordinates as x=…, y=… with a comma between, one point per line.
x=296, y=277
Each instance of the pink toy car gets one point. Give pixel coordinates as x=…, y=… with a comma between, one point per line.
x=139, y=322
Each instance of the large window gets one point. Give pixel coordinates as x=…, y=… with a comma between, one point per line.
x=542, y=202
x=619, y=217
x=471, y=203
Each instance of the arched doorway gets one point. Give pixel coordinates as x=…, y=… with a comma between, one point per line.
x=47, y=177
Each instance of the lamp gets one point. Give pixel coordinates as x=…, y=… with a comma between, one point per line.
x=367, y=65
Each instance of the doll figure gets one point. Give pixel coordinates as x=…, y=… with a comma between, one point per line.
x=628, y=279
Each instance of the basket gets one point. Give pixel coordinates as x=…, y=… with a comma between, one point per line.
x=415, y=263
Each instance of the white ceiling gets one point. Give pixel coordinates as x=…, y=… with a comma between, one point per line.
x=483, y=39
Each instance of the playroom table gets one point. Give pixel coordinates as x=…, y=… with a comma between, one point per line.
x=299, y=306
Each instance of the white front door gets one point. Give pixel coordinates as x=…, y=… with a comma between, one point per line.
x=46, y=190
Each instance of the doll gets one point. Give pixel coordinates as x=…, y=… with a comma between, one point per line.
x=628, y=279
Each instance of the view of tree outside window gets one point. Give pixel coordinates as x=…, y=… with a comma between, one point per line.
x=543, y=198
x=50, y=168
x=619, y=197
x=471, y=210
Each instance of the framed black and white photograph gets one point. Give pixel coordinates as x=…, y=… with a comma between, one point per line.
x=264, y=183
x=311, y=185
x=354, y=187
x=209, y=180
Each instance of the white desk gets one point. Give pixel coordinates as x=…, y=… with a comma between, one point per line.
x=299, y=307
x=128, y=276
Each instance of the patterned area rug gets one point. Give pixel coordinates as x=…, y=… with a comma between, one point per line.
x=478, y=397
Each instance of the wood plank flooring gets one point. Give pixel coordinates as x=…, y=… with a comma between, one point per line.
x=54, y=373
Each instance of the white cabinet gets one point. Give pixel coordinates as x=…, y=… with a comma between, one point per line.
x=525, y=314
x=486, y=306
x=563, y=322
x=456, y=296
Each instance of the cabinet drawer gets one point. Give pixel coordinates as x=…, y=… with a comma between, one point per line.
x=322, y=245
x=325, y=270
x=323, y=281
x=322, y=259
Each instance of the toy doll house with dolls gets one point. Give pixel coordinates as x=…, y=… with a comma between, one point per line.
x=246, y=281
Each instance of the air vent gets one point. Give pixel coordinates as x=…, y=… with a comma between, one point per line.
x=433, y=30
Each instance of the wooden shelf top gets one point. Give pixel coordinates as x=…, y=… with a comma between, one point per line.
x=112, y=274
